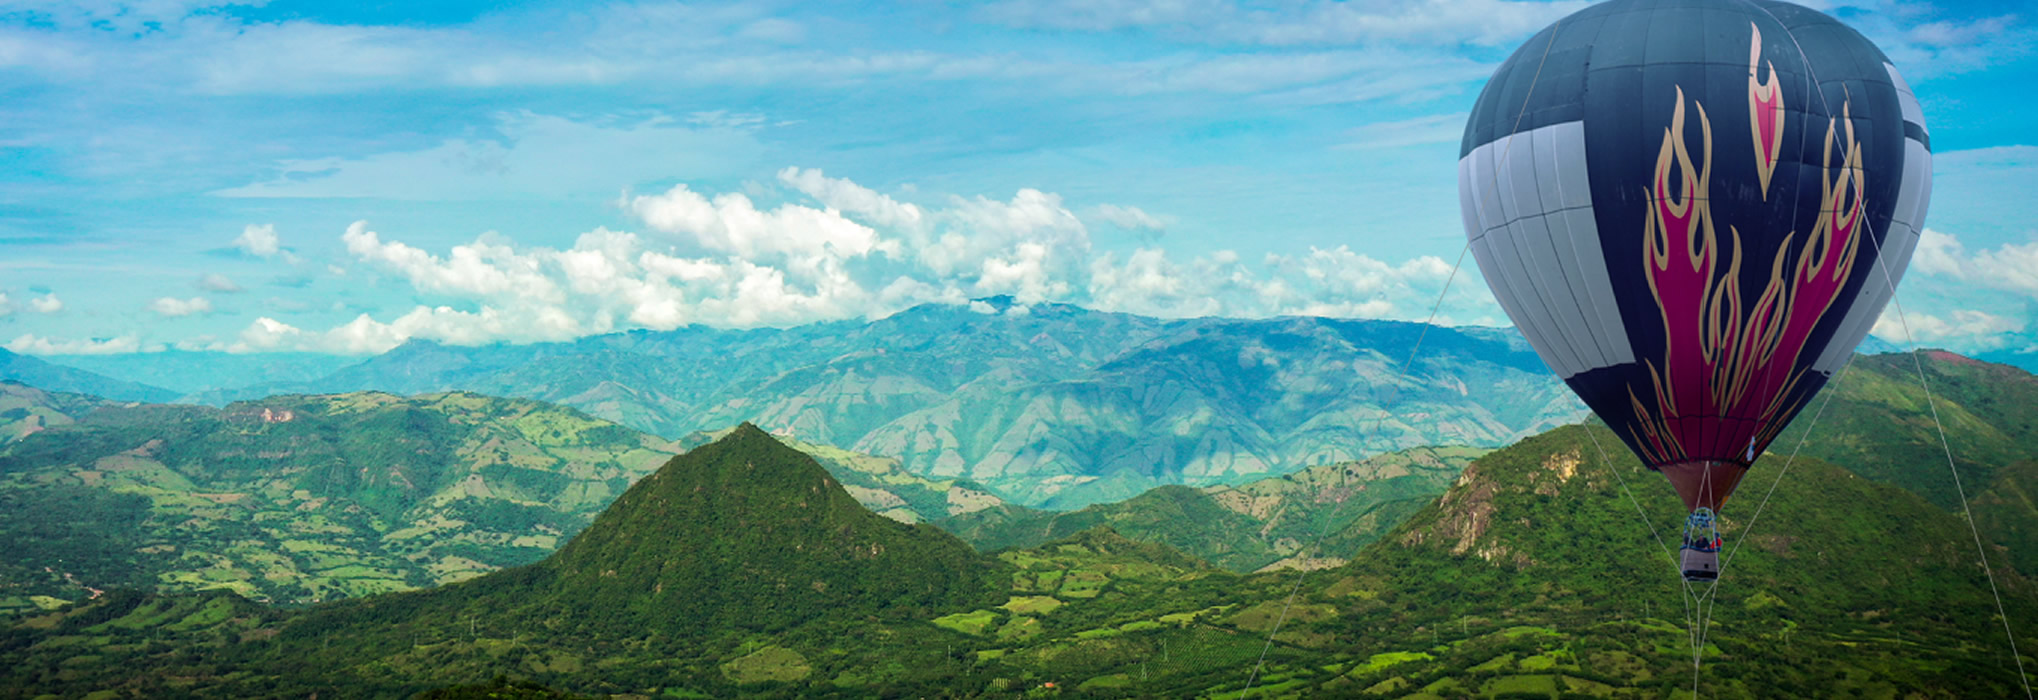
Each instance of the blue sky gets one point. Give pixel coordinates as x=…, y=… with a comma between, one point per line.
x=339, y=177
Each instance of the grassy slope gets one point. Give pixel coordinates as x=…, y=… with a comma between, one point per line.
x=1880, y=426
x=881, y=484
x=355, y=494
x=1249, y=526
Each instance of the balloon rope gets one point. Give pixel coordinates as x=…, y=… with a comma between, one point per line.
x=1684, y=592
x=1980, y=552
x=1705, y=621
x=1403, y=374
x=1328, y=522
x=1639, y=513
x=1811, y=80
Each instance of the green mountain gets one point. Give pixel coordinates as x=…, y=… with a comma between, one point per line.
x=749, y=533
x=54, y=377
x=1226, y=402
x=2006, y=512
x=287, y=500
x=1252, y=526
x=1048, y=405
x=881, y=484
x=298, y=498
x=1535, y=574
x=26, y=410
x=741, y=562
x=1880, y=426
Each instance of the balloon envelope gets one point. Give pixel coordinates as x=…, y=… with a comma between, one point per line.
x=1694, y=210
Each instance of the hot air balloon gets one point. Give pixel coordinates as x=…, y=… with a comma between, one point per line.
x=1694, y=210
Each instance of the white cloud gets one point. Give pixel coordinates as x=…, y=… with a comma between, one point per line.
x=6, y=306
x=1013, y=246
x=1335, y=282
x=124, y=16
x=46, y=304
x=488, y=268
x=854, y=199
x=31, y=344
x=2010, y=267
x=534, y=155
x=267, y=334
x=259, y=241
x=171, y=306
x=1964, y=330
x=720, y=260
x=1129, y=218
x=215, y=282
x=730, y=223
x=1436, y=128
x=725, y=119
x=1487, y=22
x=1949, y=33
x=1929, y=48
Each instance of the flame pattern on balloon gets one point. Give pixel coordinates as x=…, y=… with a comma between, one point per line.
x=1745, y=355
x=1765, y=112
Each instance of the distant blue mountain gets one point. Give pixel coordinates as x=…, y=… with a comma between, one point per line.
x=49, y=376
x=1049, y=404
x=189, y=372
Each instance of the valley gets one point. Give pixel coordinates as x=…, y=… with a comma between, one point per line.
x=368, y=544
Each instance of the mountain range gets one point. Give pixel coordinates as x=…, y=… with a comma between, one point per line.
x=1049, y=405
x=483, y=519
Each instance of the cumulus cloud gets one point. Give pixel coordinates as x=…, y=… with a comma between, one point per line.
x=215, y=282
x=853, y=199
x=2010, y=267
x=483, y=269
x=1965, y=330
x=46, y=304
x=730, y=223
x=172, y=306
x=31, y=344
x=6, y=306
x=260, y=241
x=268, y=334
x=844, y=251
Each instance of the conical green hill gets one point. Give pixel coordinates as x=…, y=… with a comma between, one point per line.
x=747, y=532
x=740, y=542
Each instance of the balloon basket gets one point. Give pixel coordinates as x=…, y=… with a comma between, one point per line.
x=1701, y=552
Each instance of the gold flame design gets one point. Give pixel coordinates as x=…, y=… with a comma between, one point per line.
x=1748, y=354
x=1764, y=100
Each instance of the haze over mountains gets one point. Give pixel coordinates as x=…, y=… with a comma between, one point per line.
x=1050, y=405
x=43, y=374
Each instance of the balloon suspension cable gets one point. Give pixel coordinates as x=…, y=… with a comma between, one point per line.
x=1705, y=620
x=1260, y=663
x=1709, y=526
x=1980, y=552
x=1330, y=521
x=1684, y=593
